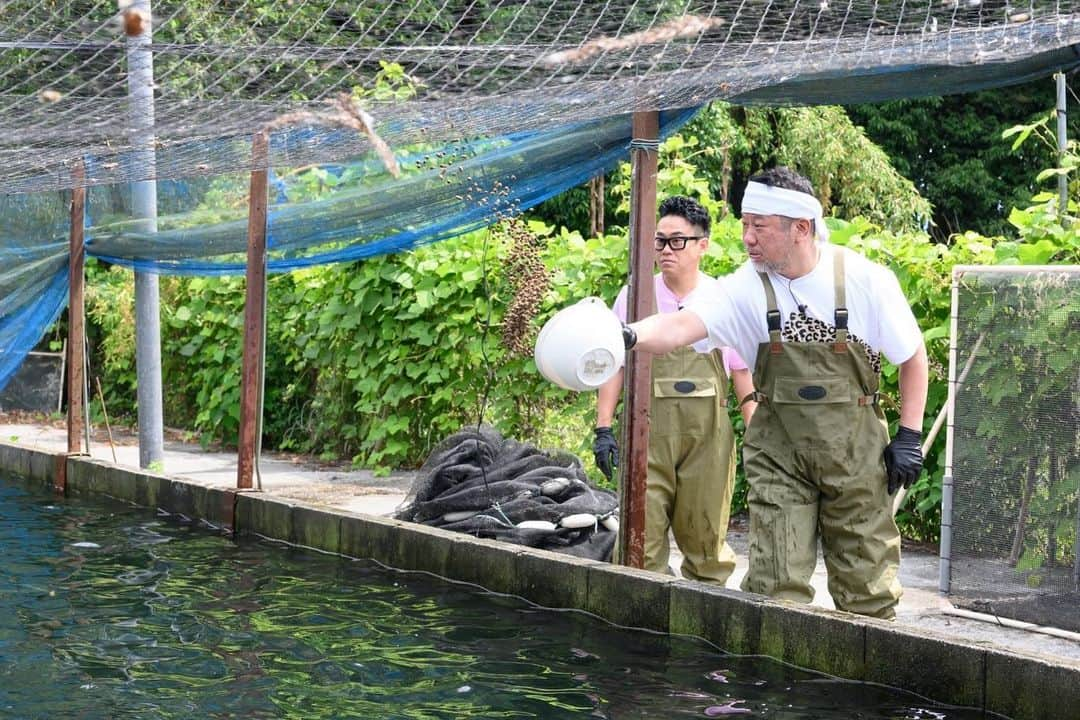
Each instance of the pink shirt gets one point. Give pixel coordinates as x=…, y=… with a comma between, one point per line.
x=668, y=302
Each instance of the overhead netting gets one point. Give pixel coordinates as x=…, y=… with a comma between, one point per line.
x=1016, y=445
x=486, y=106
x=315, y=215
x=480, y=483
x=481, y=68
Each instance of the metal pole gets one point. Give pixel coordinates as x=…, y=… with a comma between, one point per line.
x=140, y=67
x=637, y=388
x=1076, y=550
x=1076, y=539
x=1062, y=133
x=901, y=494
x=76, y=346
x=1063, y=206
x=254, y=314
x=945, y=548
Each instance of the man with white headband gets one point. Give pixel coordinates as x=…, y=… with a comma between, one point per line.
x=813, y=320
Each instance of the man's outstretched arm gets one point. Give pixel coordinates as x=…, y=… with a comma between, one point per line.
x=659, y=334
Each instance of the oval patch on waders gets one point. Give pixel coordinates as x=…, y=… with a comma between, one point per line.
x=812, y=392
x=685, y=386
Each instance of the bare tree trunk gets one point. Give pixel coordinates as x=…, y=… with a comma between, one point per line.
x=596, y=206
x=725, y=181
x=1021, y=521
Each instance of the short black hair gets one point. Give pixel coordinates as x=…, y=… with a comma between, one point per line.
x=784, y=177
x=688, y=209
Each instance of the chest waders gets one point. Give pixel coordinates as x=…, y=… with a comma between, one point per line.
x=813, y=460
x=691, y=465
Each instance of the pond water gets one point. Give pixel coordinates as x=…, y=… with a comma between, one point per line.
x=110, y=611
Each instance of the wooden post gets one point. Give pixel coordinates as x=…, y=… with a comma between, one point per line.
x=254, y=313
x=637, y=388
x=76, y=345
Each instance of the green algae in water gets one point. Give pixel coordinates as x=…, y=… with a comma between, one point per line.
x=106, y=611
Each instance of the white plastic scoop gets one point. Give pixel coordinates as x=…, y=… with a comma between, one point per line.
x=581, y=346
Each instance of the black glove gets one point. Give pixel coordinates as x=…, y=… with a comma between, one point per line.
x=903, y=458
x=629, y=339
x=605, y=451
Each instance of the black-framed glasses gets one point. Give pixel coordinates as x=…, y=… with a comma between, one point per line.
x=675, y=242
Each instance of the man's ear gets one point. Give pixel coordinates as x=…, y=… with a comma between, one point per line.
x=804, y=227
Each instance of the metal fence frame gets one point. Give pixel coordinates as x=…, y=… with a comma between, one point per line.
x=958, y=271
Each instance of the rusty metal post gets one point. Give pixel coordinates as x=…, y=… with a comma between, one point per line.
x=76, y=345
x=637, y=390
x=254, y=313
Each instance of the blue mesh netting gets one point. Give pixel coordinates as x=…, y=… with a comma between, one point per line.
x=316, y=215
x=33, y=271
x=23, y=326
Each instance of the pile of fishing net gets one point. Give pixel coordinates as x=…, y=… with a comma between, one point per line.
x=478, y=482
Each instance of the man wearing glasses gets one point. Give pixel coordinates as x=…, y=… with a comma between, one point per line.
x=691, y=444
x=815, y=320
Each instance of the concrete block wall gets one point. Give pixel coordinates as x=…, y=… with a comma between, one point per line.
x=836, y=643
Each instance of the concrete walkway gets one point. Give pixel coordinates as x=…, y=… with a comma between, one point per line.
x=362, y=491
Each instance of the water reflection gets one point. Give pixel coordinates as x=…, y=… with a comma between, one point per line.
x=109, y=612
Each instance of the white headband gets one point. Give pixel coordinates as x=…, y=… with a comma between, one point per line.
x=762, y=199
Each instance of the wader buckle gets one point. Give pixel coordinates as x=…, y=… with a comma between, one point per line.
x=840, y=318
x=870, y=399
x=755, y=395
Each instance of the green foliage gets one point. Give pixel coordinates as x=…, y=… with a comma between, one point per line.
x=712, y=158
x=1022, y=452
x=202, y=340
x=1016, y=465
x=852, y=176
x=390, y=84
x=110, y=328
x=676, y=175
x=380, y=360
x=949, y=147
x=377, y=361
x=924, y=269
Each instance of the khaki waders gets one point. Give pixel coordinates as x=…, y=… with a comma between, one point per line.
x=813, y=461
x=691, y=465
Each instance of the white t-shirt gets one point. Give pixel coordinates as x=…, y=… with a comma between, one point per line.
x=879, y=316
x=668, y=302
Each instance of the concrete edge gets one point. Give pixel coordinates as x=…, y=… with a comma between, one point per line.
x=936, y=667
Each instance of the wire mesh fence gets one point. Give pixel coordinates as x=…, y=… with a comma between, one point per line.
x=1011, y=545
